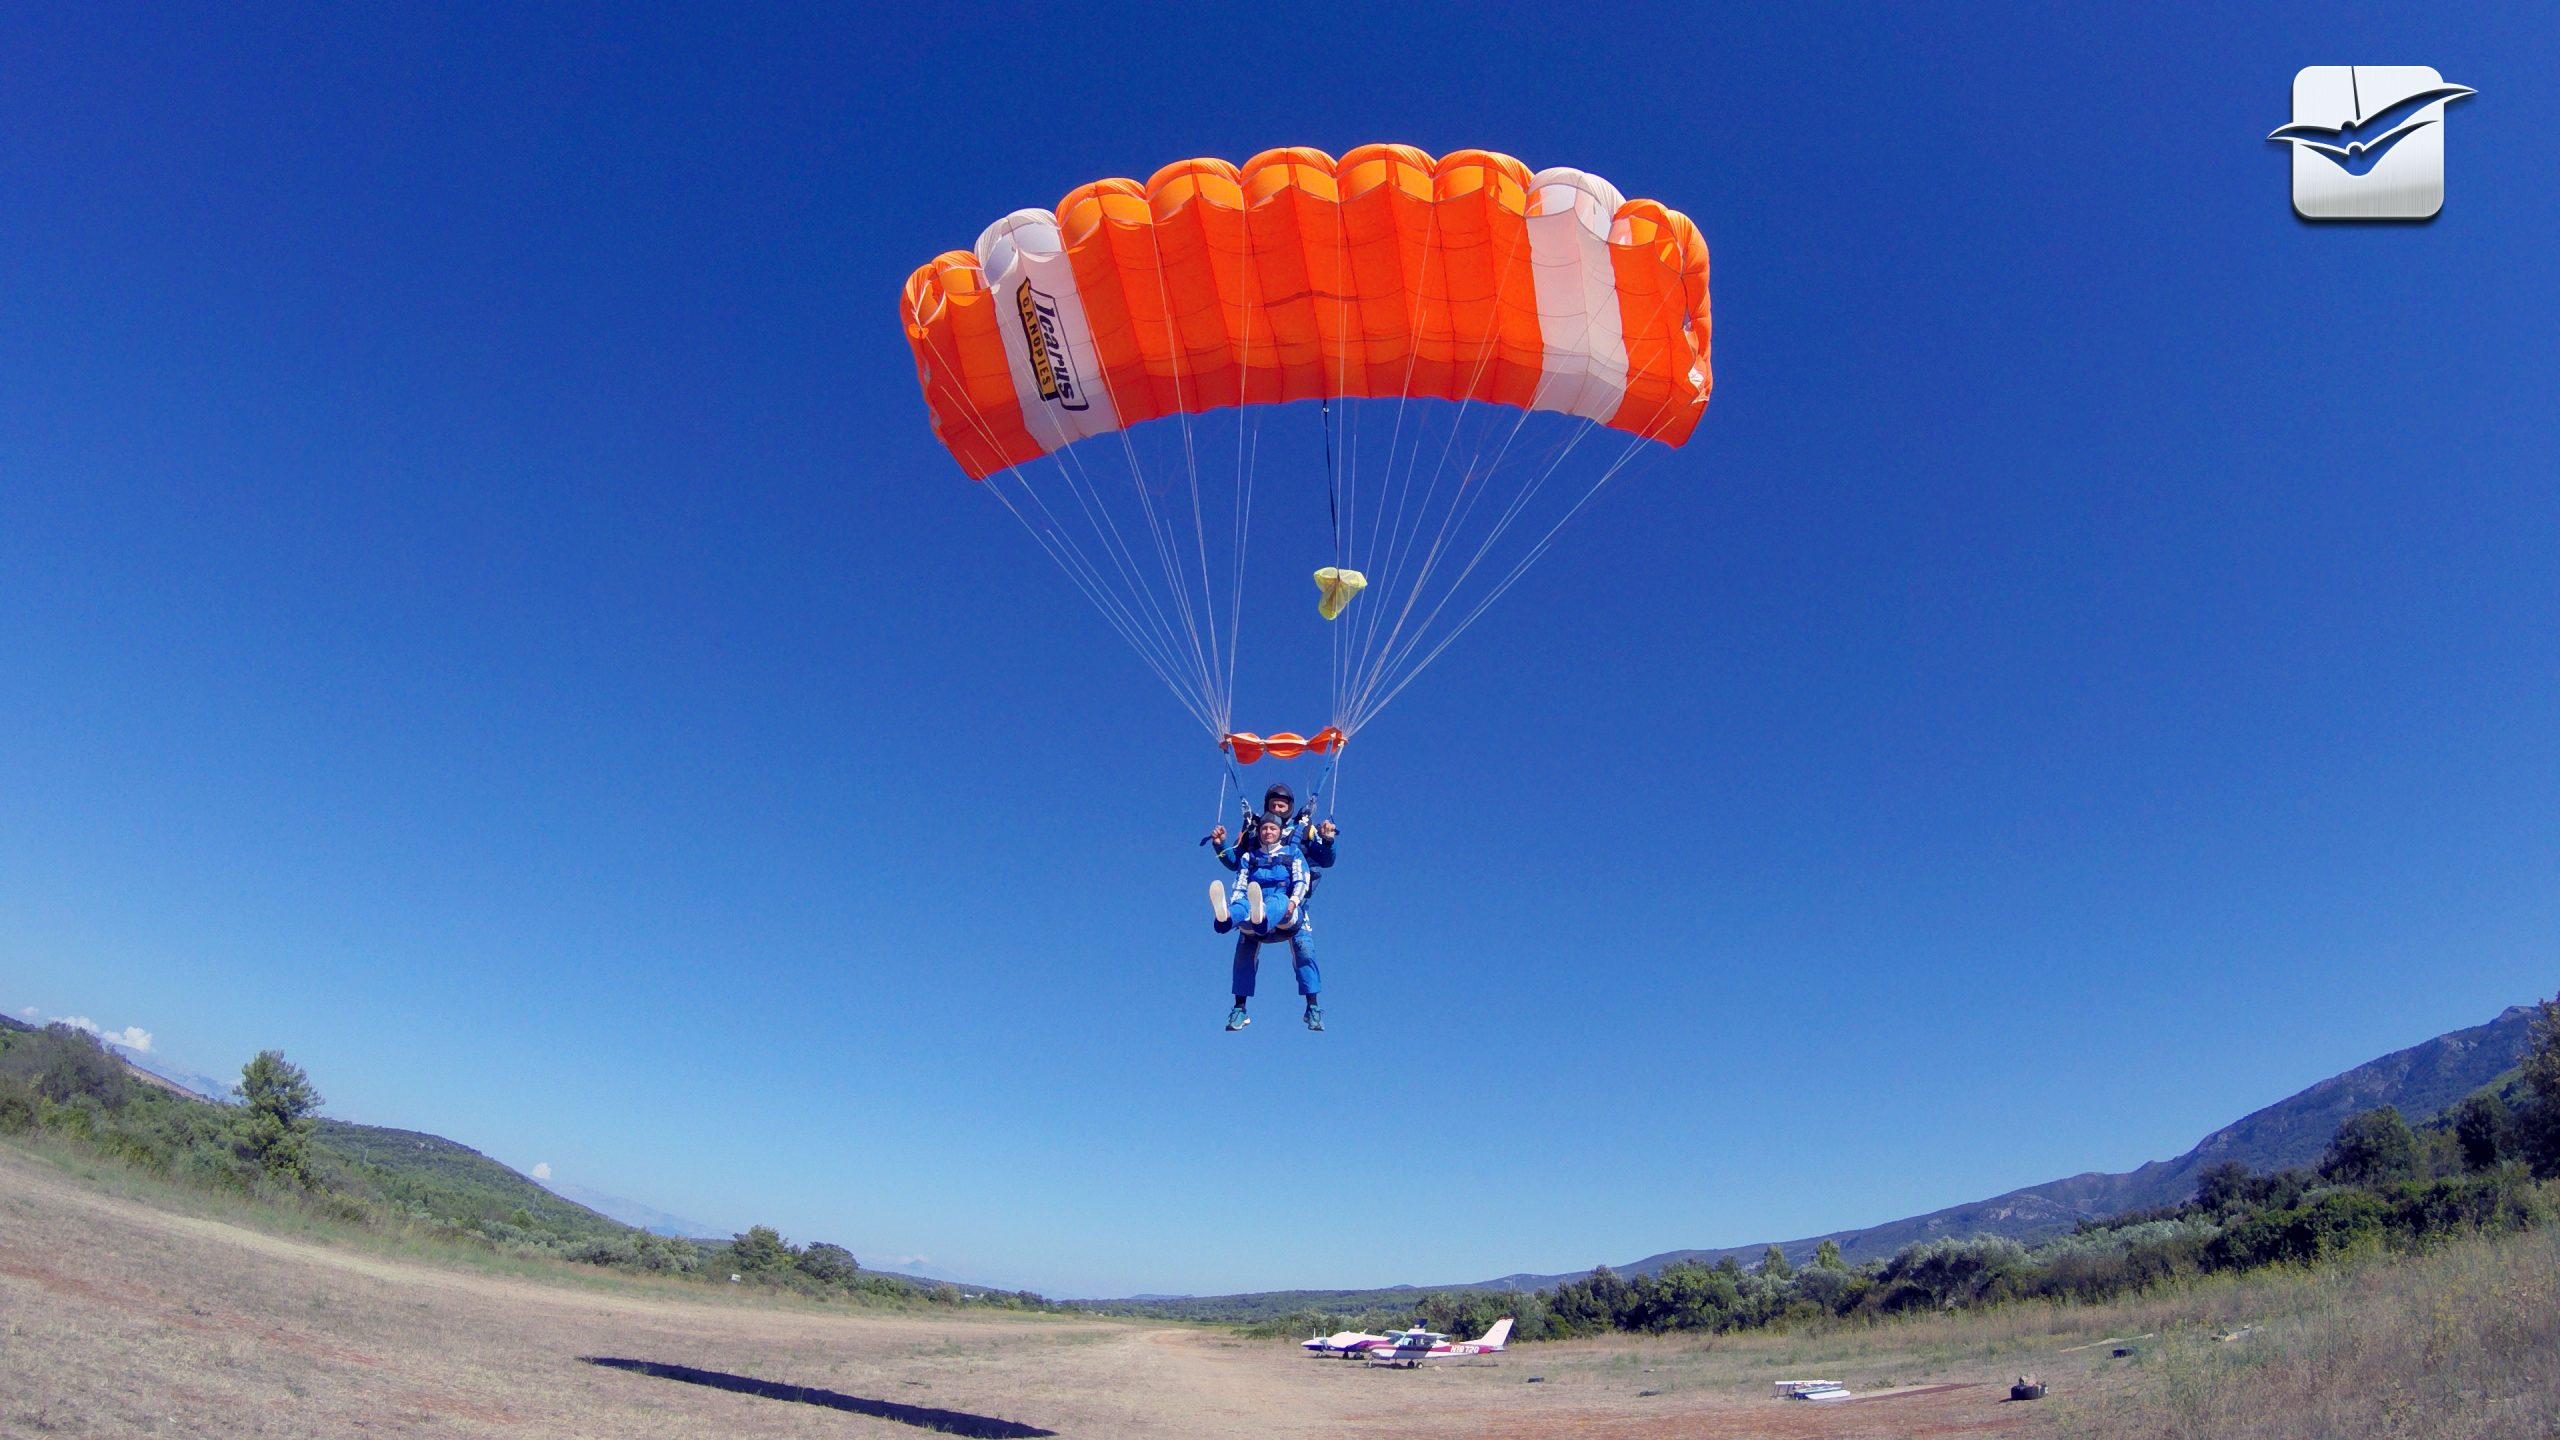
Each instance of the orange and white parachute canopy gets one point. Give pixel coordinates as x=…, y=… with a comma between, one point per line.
x=1297, y=276
x=1384, y=282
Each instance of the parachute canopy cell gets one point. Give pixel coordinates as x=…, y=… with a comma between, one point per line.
x=1298, y=276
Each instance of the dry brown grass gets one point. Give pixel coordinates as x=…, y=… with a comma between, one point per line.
x=2462, y=1344
x=122, y=1314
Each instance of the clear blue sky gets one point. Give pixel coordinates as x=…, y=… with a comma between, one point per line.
x=480, y=610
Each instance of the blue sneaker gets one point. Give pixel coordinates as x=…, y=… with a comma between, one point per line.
x=1315, y=1016
x=1237, y=1019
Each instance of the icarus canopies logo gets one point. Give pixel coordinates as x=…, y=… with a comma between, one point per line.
x=1053, y=369
x=2368, y=141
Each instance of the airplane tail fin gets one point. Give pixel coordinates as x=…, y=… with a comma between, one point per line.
x=1498, y=1336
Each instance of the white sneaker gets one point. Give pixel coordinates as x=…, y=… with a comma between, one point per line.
x=1252, y=903
x=1218, y=902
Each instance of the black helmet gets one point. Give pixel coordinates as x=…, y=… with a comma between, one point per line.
x=1281, y=793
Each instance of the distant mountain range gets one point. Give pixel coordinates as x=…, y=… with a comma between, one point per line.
x=2421, y=1080
x=633, y=1213
x=201, y=1086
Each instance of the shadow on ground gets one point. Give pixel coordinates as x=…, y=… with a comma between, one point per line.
x=949, y=1422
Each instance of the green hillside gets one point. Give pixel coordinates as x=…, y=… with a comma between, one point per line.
x=430, y=1176
x=62, y=1084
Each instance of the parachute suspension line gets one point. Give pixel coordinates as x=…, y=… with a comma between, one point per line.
x=1174, y=583
x=1537, y=551
x=1197, y=701
x=1103, y=602
x=1191, y=464
x=1244, y=540
x=1342, y=493
x=1467, y=497
x=1079, y=483
x=1061, y=547
x=1461, y=508
x=1248, y=416
x=1080, y=567
x=1404, y=390
x=1110, y=612
x=1387, y=664
x=1385, y=661
x=1177, y=584
x=1333, y=512
x=1401, y=538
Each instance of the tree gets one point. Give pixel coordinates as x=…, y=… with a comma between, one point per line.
x=2223, y=1188
x=1598, y=1301
x=831, y=1264
x=2375, y=1147
x=761, y=1248
x=1685, y=1295
x=1465, y=1313
x=2538, y=1122
x=1826, y=1256
x=273, y=1129
x=1773, y=1263
x=2484, y=1130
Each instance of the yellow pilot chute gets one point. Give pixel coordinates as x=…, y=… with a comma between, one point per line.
x=1335, y=589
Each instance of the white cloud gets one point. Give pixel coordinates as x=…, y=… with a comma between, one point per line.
x=131, y=1037
x=28, y=1012
x=542, y=1170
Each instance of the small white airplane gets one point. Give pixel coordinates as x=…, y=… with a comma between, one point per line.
x=1410, y=1348
x=1345, y=1343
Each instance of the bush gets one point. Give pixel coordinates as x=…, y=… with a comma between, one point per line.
x=62, y=1064
x=1945, y=1274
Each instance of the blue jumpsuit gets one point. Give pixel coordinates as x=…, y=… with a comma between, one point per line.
x=1284, y=875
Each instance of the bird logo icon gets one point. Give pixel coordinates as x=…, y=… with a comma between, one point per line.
x=2368, y=141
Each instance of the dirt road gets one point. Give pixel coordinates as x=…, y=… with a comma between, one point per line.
x=119, y=1318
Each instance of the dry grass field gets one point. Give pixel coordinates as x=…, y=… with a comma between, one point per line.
x=129, y=1309
x=121, y=1314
